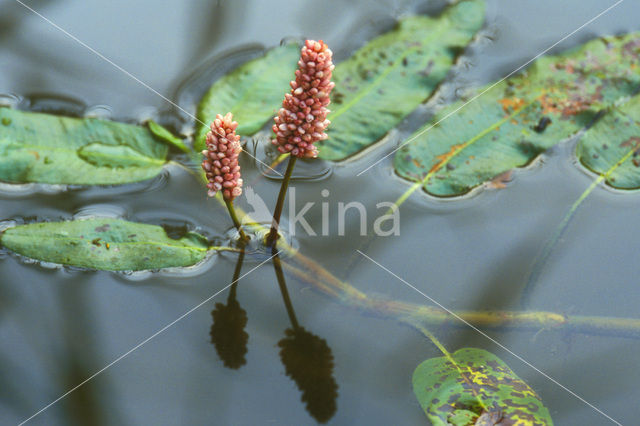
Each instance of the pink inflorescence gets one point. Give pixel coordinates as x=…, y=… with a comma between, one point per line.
x=220, y=162
x=302, y=119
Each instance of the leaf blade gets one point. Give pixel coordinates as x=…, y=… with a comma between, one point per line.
x=447, y=397
x=509, y=125
x=44, y=148
x=105, y=244
x=166, y=136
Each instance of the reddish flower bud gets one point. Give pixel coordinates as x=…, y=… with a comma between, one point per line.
x=220, y=162
x=302, y=119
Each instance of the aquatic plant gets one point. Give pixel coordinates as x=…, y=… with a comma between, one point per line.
x=509, y=127
x=302, y=120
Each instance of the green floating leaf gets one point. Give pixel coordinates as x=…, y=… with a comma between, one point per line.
x=105, y=244
x=510, y=124
x=388, y=78
x=53, y=149
x=449, y=397
x=166, y=136
x=612, y=146
x=253, y=92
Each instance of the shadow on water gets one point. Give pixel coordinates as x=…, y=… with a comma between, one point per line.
x=307, y=358
x=72, y=347
x=79, y=360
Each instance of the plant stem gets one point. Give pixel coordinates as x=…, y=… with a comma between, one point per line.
x=283, y=290
x=234, y=218
x=224, y=248
x=273, y=234
x=412, y=314
x=542, y=258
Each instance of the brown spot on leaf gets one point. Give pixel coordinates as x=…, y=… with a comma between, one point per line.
x=444, y=158
x=511, y=104
x=633, y=142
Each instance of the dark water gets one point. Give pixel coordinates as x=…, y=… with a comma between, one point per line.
x=59, y=326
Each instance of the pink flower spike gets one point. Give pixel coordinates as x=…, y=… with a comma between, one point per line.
x=302, y=119
x=220, y=162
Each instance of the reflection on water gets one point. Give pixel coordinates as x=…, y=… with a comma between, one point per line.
x=307, y=358
x=308, y=361
x=228, y=333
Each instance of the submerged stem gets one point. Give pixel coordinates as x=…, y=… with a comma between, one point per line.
x=542, y=258
x=273, y=234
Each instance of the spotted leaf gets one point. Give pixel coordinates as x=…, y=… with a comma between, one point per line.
x=509, y=124
x=479, y=389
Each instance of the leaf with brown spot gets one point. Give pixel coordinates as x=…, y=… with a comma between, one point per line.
x=506, y=399
x=516, y=120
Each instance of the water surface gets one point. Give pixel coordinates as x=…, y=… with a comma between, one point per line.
x=59, y=326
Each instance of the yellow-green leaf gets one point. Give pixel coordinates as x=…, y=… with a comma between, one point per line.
x=165, y=135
